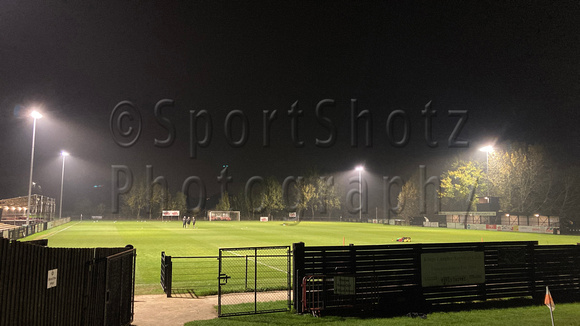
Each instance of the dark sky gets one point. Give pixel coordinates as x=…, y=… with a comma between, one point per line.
x=512, y=66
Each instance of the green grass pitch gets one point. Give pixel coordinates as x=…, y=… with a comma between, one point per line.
x=150, y=238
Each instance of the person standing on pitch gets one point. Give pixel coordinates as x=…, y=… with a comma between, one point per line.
x=193, y=221
x=184, y=220
x=188, y=221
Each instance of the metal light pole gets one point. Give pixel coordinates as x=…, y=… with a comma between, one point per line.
x=360, y=168
x=487, y=149
x=64, y=155
x=35, y=115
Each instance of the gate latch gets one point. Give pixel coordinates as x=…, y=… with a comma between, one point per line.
x=223, y=278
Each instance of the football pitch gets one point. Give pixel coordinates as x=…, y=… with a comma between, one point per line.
x=150, y=238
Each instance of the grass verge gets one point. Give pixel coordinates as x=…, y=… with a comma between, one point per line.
x=565, y=315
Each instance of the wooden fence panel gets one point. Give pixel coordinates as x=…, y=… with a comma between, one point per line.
x=391, y=274
x=25, y=298
x=559, y=268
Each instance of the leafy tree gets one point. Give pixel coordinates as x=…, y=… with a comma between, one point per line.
x=136, y=199
x=461, y=185
x=408, y=199
x=317, y=193
x=224, y=203
x=309, y=197
x=178, y=202
x=292, y=198
x=125, y=210
x=142, y=199
x=240, y=203
x=157, y=201
x=307, y=192
x=272, y=196
x=328, y=194
x=101, y=209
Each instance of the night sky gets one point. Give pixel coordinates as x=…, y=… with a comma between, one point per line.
x=512, y=67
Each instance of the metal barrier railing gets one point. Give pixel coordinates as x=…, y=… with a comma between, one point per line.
x=313, y=294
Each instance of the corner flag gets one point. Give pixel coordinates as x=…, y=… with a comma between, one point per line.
x=548, y=301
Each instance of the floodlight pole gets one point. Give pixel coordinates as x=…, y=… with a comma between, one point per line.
x=35, y=115
x=487, y=149
x=64, y=155
x=360, y=194
x=360, y=169
x=487, y=163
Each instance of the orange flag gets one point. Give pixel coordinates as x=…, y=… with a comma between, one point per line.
x=548, y=301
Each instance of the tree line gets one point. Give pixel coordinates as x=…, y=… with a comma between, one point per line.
x=313, y=193
x=524, y=177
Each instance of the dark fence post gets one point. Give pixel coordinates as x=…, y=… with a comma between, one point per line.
x=483, y=286
x=417, y=295
x=166, y=273
x=352, y=259
x=537, y=296
x=298, y=253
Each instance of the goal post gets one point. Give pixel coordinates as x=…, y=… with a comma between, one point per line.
x=223, y=215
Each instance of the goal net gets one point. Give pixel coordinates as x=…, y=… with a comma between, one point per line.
x=223, y=215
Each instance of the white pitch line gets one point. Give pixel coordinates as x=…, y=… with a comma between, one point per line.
x=272, y=267
x=50, y=235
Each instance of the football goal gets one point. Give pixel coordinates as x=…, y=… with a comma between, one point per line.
x=223, y=215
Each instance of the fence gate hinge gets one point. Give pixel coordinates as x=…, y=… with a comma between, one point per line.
x=224, y=277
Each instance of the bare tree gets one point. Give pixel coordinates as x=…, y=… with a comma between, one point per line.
x=520, y=178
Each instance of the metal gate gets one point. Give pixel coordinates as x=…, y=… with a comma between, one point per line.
x=120, y=293
x=254, y=280
x=109, y=291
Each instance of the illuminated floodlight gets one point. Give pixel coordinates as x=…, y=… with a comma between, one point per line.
x=36, y=115
x=487, y=149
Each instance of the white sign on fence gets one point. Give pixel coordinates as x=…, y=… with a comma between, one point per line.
x=52, y=275
x=170, y=213
x=292, y=214
x=344, y=285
